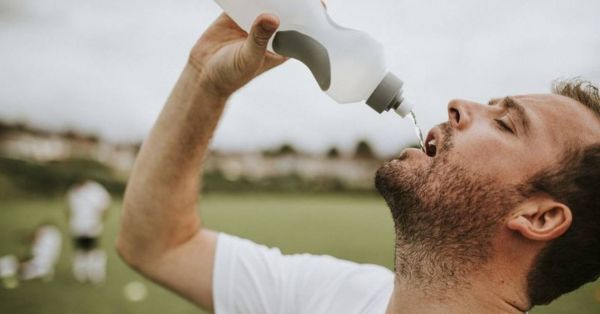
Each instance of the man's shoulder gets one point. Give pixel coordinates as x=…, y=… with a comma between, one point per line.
x=320, y=263
x=301, y=283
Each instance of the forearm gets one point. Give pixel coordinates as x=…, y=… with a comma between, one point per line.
x=161, y=233
x=161, y=197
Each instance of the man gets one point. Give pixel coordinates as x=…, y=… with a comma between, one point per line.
x=88, y=203
x=45, y=252
x=501, y=213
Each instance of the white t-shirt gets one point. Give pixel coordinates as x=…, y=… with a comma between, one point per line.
x=87, y=203
x=48, y=242
x=249, y=278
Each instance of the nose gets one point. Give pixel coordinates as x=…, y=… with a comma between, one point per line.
x=460, y=113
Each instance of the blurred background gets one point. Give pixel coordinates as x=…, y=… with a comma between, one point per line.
x=81, y=83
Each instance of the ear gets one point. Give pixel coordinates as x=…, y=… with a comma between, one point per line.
x=541, y=219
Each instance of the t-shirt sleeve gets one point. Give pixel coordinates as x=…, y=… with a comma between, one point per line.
x=251, y=278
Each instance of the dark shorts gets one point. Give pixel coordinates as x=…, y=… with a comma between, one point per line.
x=86, y=243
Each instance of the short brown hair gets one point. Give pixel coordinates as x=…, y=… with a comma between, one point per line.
x=574, y=258
x=581, y=90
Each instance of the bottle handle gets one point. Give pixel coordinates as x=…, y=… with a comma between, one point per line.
x=307, y=50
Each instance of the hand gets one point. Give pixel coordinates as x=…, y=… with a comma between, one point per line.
x=227, y=57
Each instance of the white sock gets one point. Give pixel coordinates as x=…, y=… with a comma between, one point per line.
x=97, y=263
x=79, y=266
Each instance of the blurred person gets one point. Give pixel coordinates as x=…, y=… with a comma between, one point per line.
x=500, y=214
x=9, y=271
x=88, y=203
x=45, y=252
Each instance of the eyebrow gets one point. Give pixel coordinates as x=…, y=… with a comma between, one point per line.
x=515, y=106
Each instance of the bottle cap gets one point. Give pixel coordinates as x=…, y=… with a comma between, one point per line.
x=387, y=95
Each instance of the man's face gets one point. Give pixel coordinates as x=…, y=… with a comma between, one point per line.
x=457, y=194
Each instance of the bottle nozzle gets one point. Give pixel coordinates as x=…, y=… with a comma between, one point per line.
x=388, y=96
x=404, y=108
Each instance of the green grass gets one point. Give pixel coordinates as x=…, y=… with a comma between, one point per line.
x=350, y=227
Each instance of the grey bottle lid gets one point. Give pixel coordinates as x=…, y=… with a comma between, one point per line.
x=388, y=95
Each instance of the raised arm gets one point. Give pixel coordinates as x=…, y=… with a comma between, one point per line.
x=161, y=232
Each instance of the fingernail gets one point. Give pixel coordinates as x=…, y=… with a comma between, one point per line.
x=269, y=26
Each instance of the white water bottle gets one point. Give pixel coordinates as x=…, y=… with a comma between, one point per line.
x=348, y=65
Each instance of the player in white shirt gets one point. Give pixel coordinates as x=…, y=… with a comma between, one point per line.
x=45, y=252
x=499, y=215
x=88, y=202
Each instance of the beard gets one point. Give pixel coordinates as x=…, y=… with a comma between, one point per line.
x=445, y=217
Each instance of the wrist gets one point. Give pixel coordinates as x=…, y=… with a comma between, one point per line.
x=195, y=75
x=205, y=83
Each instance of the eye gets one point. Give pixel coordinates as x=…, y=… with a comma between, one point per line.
x=503, y=126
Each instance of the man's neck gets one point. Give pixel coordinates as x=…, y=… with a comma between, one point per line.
x=489, y=293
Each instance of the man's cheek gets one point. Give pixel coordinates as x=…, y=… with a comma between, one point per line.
x=480, y=156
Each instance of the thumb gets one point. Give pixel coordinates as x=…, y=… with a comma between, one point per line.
x=255, y=45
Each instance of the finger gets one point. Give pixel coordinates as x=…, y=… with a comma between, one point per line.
x=324, y=4
x=255, y=45
x=273, y=60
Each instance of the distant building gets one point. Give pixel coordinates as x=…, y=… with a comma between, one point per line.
x=357, y=173
x=354, y=170
x=25, y=143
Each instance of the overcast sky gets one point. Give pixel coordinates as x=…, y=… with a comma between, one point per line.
x=107, y=66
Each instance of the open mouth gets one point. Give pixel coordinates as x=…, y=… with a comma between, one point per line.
x=431, y=143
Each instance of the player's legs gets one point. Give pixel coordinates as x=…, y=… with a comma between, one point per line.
x=81, y=258
x=79, y=265
x=97, y=266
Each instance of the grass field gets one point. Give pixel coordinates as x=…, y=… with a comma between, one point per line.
x=350, y=227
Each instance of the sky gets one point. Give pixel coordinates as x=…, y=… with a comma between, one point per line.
x=107, y=66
